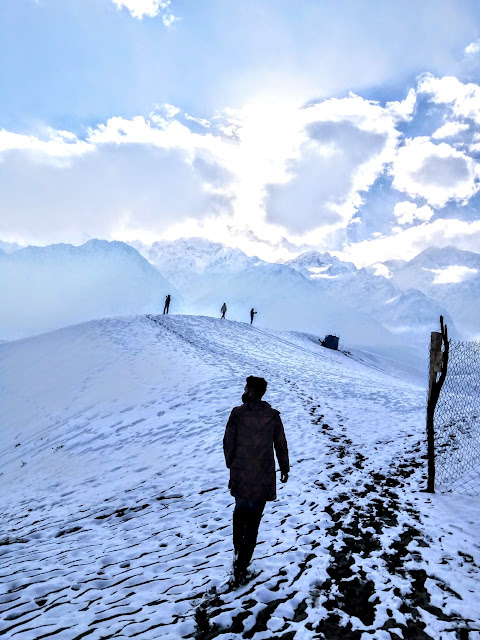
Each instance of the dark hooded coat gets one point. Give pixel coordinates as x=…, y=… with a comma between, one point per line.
x=253, y=430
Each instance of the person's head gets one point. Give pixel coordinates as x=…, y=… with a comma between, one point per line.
x=254, y=389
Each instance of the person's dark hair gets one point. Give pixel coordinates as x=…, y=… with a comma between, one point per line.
x=257, y=386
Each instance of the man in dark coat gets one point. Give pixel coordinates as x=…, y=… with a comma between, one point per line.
x=223, y=310
x=167, y=304
x=253, y=313
x=253, y=430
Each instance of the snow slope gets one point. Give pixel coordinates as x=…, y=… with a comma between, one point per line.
x=116, y=517
x=45, y=288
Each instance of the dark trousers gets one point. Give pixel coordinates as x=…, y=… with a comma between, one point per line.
x=246, y=520
x=165, y=308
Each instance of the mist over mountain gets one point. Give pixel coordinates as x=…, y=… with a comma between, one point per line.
x=44, y=288
x=9, y=247
x=49, y=287
x=403, y=311
x=447, y=275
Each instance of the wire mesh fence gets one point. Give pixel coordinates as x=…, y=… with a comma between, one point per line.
x=457, y=422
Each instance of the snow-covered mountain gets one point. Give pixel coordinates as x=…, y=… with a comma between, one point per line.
x=209, y=273
x=116, y=515
x=447, y=275
x=188, y=261
x=316, y=265
x=48, y=287
x=343, y=299
x=411, y=313
x=315, y=292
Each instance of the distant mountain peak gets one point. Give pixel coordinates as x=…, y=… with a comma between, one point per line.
x=315, y=264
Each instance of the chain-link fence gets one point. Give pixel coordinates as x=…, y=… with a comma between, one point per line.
x=457, y=422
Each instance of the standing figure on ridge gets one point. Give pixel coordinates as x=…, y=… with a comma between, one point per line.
x=223, y=310
x=167, y=304
x=253, y=431
x=252, y=314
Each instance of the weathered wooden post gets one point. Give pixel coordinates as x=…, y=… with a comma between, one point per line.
x=438, y=364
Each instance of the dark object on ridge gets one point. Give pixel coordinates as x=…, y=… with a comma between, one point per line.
x=223, y=310
x=331, y=342
x=253, y=430
x=167, y=304
x=252, y=314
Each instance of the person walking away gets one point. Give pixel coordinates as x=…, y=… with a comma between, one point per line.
x=252, y=314
x=253, y=431
x=223, y=310
x=167, y=304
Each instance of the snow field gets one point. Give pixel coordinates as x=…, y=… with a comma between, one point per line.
x=117, y=518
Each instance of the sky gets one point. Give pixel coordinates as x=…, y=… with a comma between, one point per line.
x=270, y=125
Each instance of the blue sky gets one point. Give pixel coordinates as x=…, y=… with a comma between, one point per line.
x=262, y=124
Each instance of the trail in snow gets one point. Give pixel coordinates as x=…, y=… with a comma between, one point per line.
x=117, y=519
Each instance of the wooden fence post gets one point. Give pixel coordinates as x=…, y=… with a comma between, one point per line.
x=438, y=364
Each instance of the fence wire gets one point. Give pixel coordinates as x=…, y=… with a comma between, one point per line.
x=457, y=422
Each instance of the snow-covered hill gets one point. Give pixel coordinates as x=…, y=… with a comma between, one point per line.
x=448, y=275
x=48, y=287
x=115, y=513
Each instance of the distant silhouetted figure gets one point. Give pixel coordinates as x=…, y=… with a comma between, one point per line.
x=252, y=314
x=253, y=430
x=223, y=310
x=167, y=304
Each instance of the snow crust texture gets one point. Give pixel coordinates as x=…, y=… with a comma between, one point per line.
x=115, y=512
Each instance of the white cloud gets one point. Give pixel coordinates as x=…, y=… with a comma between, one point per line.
x=202, y=121
x=58, y=148
x=453, y=274
x=406, y=244
x=438, y=173
x=473, y=48
x=62, y=147
x=345, y=144
x=268, y=170
x=408, y=212
x=127, y=175
x=449, y=130
x=169, y=110
x=380, y=269
x=463, y=99
x=262, y=142
x=148, y=8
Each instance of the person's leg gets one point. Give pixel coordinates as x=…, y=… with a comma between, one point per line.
x=240, y=515
x=254, y=512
